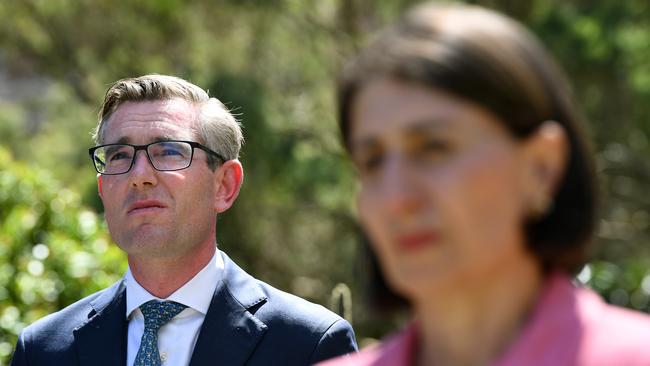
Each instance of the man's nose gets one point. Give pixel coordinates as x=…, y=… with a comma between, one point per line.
x=142, y=172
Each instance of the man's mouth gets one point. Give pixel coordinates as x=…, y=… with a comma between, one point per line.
x=145, y=206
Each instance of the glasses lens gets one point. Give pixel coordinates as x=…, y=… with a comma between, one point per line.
x=170, y=155
x=113, y=159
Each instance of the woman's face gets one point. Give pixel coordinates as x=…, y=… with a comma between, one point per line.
x=442, y=194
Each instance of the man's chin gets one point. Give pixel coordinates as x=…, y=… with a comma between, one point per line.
x=144, y=239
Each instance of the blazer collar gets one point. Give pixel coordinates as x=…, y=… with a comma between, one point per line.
x=101, y=340
x=230, y=330
x=228, y=336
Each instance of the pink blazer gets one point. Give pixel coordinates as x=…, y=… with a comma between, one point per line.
x=570, y=326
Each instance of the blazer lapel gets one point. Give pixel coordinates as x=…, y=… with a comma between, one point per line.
x=230, y=331
x=102, y=339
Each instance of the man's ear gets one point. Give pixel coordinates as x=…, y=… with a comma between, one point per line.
x=99, y=186
x=546, y=154
x=228, y=178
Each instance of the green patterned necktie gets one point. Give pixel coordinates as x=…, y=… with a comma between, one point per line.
x=156, y=314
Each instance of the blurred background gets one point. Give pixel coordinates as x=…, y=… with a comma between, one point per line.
x=274, y=63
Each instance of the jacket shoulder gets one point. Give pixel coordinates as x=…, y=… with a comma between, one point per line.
x=395, y=350
x=283, y=309
x=612, y=333
x=70, y=317
x=306, y=331
x=53, y=335
x=300, y=324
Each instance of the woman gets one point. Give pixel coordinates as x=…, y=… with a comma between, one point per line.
x=478, y=196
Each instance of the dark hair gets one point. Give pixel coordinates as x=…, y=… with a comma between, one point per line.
x=488, y=59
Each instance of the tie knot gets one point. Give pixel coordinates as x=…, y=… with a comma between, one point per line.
x=158, y=313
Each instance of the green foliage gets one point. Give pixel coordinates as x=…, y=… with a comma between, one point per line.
x=53, y=251
x=625, y=283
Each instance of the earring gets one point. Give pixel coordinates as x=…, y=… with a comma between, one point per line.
x=540, y=206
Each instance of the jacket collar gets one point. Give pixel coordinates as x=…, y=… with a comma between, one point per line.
x=95, y=339
x=228, y=336
x=230, y=330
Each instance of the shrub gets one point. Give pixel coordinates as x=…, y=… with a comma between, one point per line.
x=53, y=251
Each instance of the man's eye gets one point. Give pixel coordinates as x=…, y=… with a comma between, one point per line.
x=119, y=156
x=170, y=152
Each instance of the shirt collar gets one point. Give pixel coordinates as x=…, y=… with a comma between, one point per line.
x=196, y=293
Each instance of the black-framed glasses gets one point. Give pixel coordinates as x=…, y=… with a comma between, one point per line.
x=113, y=159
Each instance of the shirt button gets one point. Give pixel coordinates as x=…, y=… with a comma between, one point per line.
x=163, y=356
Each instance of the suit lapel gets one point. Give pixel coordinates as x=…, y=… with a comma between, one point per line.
x=230, y=331
x=102, y=339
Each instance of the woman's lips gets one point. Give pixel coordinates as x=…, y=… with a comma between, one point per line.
x=418, y=240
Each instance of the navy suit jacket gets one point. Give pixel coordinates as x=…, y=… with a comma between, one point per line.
x=248, y=323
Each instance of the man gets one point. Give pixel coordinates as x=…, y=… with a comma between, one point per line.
x=167, y=165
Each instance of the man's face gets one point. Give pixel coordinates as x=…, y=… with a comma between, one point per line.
x=153, y=214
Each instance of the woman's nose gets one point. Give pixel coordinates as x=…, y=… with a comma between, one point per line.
x=399, y=186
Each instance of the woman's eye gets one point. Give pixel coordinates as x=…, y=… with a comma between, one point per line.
x=434, y=146
x=430, y=148
x=369, y=163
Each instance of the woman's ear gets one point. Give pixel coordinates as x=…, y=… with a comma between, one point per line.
x=228, y=180
x=546, y=154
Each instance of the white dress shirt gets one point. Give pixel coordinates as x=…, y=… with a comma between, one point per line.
x=177, y=338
